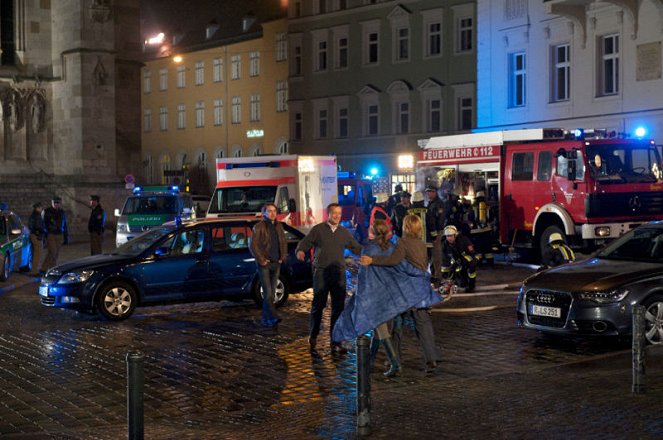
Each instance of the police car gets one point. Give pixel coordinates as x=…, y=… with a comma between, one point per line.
x=151, y=206
x=16, y=250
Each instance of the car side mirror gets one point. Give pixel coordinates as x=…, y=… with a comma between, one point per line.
x=117, y=212
x=162, y=252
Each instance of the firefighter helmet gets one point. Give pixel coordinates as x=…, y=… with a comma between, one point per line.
x=555, y=236
x=450, y=230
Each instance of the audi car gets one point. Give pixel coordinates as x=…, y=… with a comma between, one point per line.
x=597, y=295
x=199, y=260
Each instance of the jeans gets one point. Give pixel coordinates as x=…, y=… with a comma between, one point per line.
x=327, y=281
x=269, y=276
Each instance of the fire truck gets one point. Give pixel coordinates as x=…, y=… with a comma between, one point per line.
x=588, y=185
x=301, y=187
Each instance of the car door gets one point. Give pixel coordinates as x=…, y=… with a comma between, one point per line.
x=178, y=269
x=231, y=265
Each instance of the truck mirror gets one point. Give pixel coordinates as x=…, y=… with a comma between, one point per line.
x=292, y=205
x=561, y=152
x=117, y=212
x=571, y=170
x=571, y=155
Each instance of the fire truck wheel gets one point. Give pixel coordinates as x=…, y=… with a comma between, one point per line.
x=546, y=236
x=281, y=293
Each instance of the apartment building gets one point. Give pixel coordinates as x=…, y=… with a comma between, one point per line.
x=369, y=78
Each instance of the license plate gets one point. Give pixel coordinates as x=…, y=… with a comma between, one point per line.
x=553, y=312
x=43, y=290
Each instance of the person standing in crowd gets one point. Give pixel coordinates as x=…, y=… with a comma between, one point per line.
x=413, y=250
x=458, y=255
x=434, y=227
x=400, y=211
x=395, y=199
x=379, y=212
x=96, y=225
x=329, y=241
x=556, y=252
x=269, y=248
x=36, y=226
x=57, y=232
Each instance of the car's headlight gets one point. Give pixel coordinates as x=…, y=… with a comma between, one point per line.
x=612, y=296
x=75, y=277
x=121, y=228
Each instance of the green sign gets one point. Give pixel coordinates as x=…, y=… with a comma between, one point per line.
x=148, y=219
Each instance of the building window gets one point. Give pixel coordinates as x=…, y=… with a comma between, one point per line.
x=200, y=73
x=322, y=124
x=434, y=39
x=299, y=122
x=464, y=113
x=434, y=115
x=236, y=61
x=147, y=120
x=163, y=118
x=372, y=119
x=165, y=166
x=321, y=55
x=464, y=31
x=372, y=48
x=217, y=70
x=522, y=166
x=342, y=53
x=281, y=46
x=255, y=107
x=403, y=44
x=609, y=68
x=163, y=79
x=282, y=147
x=297, y=61
x=218, y=112
x=147, y=81
x=281, y=96
x=237, y=152
x=236, y=110
x=181, y=77
x=402, y=117
x=343, y=122
x=148, y=168
x=181, y=116
x=200, y=114
x=561, y=73
x=517, y=79
x=254, y=63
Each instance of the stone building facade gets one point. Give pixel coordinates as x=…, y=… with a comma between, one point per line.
x=70, y=103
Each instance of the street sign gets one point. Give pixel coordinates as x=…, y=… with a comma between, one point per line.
x=129, y=179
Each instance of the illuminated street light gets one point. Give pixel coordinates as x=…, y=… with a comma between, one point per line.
x=177, y=58
x=405, y=161
x=157, y=39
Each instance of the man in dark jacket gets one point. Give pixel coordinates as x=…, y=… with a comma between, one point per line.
x=458, y=255
x=399, y=213
x=434, y=227
x=95, y=226
x=57, y=232
x=329, y=241
x=36, y=226
x=269, y=248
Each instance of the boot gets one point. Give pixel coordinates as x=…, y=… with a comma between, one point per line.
x=373, y=350
x=395, y=367
x=471, y=284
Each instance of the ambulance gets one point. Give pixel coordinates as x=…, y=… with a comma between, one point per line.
x=301, y=187
x=590, y=186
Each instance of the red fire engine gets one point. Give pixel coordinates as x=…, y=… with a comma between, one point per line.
x=589, y=186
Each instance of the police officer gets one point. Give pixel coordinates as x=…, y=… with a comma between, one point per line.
x=36, y=226
x=96, y=225
x=458, y=254
x=557, y=252
x=57, y=232
x=434, y=227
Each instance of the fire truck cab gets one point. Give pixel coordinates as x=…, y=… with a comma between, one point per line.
x=589, y=185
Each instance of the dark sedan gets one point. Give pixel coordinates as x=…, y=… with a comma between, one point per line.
x=201, y=260
x=596, y=296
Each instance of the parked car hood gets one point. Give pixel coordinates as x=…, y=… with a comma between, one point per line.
x=92, y=262
x=593, y=274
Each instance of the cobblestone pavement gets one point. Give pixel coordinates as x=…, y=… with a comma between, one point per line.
x=212, y=372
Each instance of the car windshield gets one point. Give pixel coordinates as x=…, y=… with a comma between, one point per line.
x=619, y=163
x=641, y=244
x=248, y=199
x=143, y=241
x=150, y=205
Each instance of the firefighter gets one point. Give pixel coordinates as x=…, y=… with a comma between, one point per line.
x=482, y=233
x=557, y=252
x=434, y=227
x=458, y=255
x=379, y=211
x=400, y=211
x=395, y=199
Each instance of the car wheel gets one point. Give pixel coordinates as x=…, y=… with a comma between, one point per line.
x=6, y=267
x=281, y=295
x=550, y=230
x=28, y=265
x=116, y=300
x=654, y=320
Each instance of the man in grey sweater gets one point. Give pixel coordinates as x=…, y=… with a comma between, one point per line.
x=329, y=241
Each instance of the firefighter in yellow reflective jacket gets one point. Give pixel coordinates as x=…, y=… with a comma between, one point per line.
x=556, y=252
x=459, y=258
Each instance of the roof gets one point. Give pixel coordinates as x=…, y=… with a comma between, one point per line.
x=189, y=24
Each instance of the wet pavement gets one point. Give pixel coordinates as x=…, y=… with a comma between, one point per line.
x=212, y=372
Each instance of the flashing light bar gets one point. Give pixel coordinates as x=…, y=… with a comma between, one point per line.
x=163, y=188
